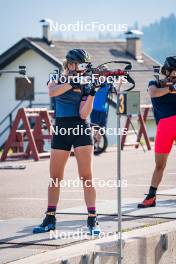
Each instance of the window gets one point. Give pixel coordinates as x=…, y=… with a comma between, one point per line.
x=23, y=89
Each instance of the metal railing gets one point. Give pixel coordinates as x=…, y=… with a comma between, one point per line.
x=9, y=117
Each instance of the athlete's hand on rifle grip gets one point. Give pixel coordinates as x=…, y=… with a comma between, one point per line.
x=92, y=91
x=76, y=87
x=165, y=83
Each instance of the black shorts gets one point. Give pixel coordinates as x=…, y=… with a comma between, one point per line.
x=71, y=131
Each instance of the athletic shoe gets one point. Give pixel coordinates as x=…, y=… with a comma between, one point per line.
x=148, y=202
x=93, y=226
x=49, y=223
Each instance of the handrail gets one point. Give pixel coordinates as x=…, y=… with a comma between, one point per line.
x=9, y=116
x=4, y=130
x=20, y=103
x=11, y=112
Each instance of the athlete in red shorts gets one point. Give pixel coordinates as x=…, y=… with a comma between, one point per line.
x=164, y=107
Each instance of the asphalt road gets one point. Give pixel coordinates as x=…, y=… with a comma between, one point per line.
x=23, y=199
x=24, y=192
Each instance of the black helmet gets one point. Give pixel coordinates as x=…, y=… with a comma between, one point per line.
x=78, y=56
x=169, y=64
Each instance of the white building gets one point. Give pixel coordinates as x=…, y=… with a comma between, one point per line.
x=43, y=55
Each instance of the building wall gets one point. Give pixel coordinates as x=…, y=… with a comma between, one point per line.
x=37, y=67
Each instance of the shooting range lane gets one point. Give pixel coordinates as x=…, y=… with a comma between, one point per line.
x=24, y=192
x=19, y=236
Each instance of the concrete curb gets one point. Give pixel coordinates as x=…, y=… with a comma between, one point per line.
x=154, y=244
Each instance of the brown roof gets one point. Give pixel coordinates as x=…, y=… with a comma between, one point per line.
x=100, y=51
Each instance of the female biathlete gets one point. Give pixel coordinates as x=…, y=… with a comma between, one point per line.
x=164, y=106
x=71, y=111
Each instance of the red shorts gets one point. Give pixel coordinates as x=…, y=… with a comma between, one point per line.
x=165, y=135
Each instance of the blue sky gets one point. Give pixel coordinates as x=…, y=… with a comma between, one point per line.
x=20, y=18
